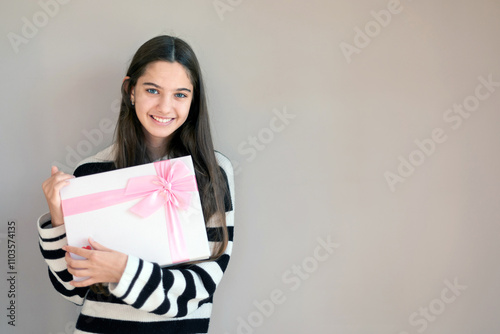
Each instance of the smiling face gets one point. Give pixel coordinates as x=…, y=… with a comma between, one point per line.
x=162, y=98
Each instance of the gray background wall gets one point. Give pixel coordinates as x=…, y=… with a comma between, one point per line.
x=386, y=148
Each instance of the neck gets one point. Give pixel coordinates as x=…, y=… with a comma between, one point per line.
x=156, y=149
x=156, y=153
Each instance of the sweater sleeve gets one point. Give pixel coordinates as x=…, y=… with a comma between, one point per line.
x=176, y=292
x=51, y=240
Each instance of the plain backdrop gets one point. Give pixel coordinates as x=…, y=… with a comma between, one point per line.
x=364, y=136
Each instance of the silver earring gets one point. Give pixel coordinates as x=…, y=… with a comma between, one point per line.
x=132, y=102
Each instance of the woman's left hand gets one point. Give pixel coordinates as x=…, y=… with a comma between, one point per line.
x=101, y=264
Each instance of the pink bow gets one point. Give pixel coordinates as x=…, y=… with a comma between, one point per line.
x=171, y=188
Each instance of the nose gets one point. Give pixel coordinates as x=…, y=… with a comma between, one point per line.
x=165, y=104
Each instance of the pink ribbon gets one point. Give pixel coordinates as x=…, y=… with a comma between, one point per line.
x=171, y=189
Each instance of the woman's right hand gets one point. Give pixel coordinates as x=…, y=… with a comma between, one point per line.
x=51, y=188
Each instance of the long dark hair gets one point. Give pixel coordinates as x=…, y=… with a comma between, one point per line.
x=192, y=138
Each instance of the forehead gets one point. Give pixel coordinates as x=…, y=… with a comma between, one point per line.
x=166, y=74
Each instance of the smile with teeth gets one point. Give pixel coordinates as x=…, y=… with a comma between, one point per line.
x=161, y=120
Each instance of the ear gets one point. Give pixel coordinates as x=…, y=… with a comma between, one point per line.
x=130, y=89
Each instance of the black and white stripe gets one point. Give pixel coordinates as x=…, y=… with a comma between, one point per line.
x=148, y=299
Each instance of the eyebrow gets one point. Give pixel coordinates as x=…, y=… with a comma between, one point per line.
x=157, y=86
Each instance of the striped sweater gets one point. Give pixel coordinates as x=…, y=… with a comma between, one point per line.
x=147, y=299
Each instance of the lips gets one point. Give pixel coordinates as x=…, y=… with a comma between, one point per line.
x=162, y=120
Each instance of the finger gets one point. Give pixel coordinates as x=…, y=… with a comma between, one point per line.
x=75, y=264
x=79, y=272
x=60, y=184
x=78, y=251
x=60, y=177
x=80, y=284
x=97, y=246
x=58, y=180
x=54, y=170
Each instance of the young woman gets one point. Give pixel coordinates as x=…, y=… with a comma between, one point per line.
x=163, y=115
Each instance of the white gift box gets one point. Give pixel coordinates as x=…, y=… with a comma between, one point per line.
x=151, y=211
